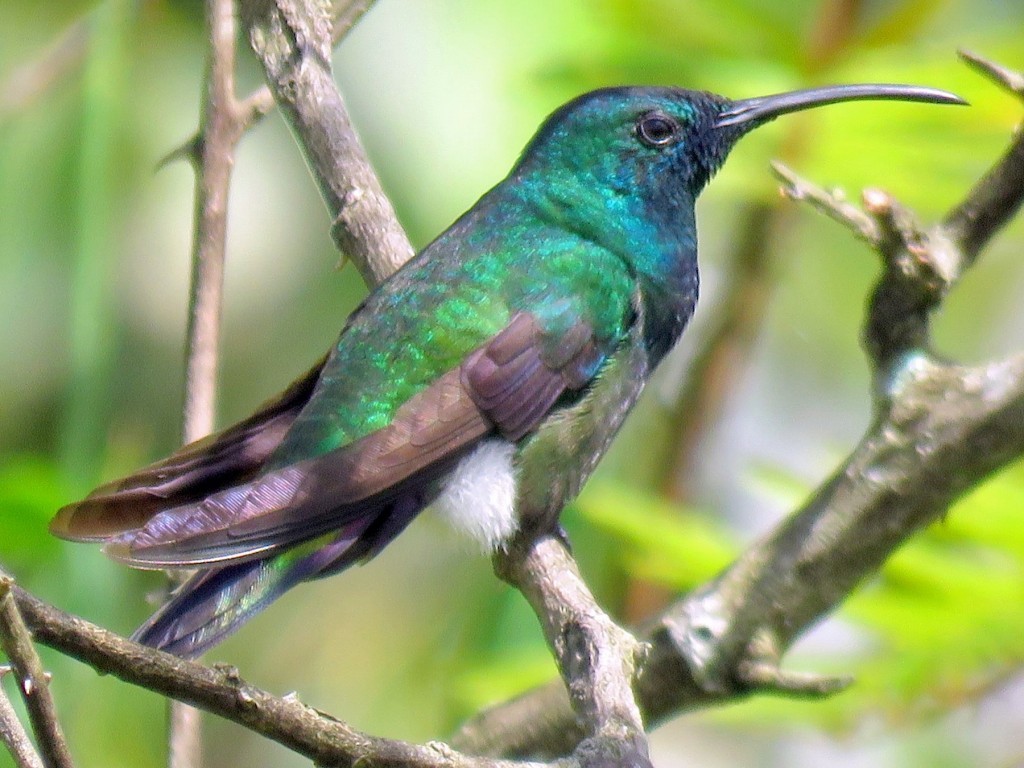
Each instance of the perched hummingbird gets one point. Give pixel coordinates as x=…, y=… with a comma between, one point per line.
x=486, y=378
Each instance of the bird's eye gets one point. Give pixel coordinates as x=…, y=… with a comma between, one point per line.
x=656, y=129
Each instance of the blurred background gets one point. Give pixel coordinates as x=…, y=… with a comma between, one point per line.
x=94, y=245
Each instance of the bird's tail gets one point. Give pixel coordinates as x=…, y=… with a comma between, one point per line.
x=214, y=603
x=211, y=605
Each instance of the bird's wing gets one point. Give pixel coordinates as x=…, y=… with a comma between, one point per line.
x=226, y=459
x=506, y=385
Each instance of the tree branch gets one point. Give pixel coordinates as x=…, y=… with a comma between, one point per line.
x=938, y=429
x=221, y=127
x=222, y=124
x=998, y=195
x=222, y=691
x=290, y=37
x=32, y=681
x=224, y=121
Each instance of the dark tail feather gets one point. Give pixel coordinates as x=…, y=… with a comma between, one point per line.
x=209, y=607
x=229, y=458
x=214, y=603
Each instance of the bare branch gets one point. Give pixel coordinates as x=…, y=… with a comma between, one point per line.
x=258, y=103
x=222, y=124
x=832, y=203
x=220, y=130
x=1007, y=78
x=760, y=671
x=938, y=430
x=32, y=680
x=221, y=690
x=998, y=195
x=346, y=14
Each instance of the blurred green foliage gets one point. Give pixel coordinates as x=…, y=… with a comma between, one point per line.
x=93, y=265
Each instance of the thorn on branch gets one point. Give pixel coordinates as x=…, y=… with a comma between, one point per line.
x=761, y=671
x=191, y=150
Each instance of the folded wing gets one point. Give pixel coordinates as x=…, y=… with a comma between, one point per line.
x=507, y=386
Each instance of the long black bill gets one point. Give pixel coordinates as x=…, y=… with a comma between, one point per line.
x=753, y=112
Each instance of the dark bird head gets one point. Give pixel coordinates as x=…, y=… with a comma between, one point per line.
x=652, y=141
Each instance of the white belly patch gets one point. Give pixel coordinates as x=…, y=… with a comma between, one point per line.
x=479, y=499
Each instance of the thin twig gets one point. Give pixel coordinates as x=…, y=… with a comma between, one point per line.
x=12, y=732
x=832, y=203
x=220, y=132
x=222, y=125
x=260, y=101
x=1010, y=80
x=367, y=231
x=32, y=681
x=290, y=39
x=998, y=195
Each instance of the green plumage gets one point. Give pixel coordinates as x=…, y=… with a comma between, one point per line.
x=446, y=302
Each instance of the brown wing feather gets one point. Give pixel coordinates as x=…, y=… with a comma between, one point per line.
x=518, y=376
x=219, y=461
x=505, y=384
x=301, y=501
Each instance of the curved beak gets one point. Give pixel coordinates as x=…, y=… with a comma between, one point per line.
x=750, y=113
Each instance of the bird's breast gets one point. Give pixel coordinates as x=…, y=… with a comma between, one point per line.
x=554, y=463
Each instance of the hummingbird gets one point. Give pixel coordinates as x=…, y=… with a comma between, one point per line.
x=484, y=379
